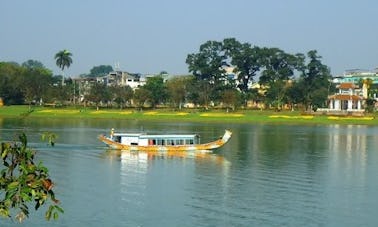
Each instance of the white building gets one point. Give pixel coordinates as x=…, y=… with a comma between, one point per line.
x=348, y=98
x=121, y=78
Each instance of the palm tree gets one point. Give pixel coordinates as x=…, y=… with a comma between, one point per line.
x=63, y=59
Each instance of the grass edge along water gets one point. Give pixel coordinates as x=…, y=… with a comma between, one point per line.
x=190, y=115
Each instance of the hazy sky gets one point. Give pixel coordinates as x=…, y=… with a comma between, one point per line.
x=149, y=36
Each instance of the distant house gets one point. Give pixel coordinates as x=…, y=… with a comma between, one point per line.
x=121, y=78
x=349, y=98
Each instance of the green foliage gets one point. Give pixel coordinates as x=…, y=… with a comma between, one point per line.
x=50, y=137
x=315, y=81
x=98, y=93
x=277, y=71
x=231, y=98
x=63, y=59
x=178, y=89
x=23, y=182
x=370, y=103
x=246, y=59
x=207, y=67
x=158, y=90
x=121, y=95
x=37, y=65
x=27, y=83
x=10, y=81
x=141, y=95
x=101, y=70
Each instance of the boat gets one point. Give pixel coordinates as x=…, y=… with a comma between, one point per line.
x=161, y=142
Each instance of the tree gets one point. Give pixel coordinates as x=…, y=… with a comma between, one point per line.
x=370, y=104
x=295, y=94
x=11, y=75
x=231, y=98
x=246, y=59
x=315, y=81
x=178, y=89
x=63, y=60
x=98, y=93
x=207, y=67
x=36, y=80
x=141, y=95
x=22, y=182
x=366, y=84
x=157, y=88
x=101, y=70
x=33, y=64
x=279, y=68
x=121, y=95
x=36, y=83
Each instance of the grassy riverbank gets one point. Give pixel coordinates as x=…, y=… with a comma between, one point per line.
x=190, y=115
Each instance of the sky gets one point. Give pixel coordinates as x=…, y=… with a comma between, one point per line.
x=150, y=36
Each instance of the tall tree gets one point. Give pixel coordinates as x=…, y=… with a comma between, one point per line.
x=63, y=60
x=279, y=69
x=246, y=59
x=206, y=66
x=315, y=81
x=36, y=80
x=35, y=84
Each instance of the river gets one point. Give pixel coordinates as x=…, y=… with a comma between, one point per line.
x=267, y=175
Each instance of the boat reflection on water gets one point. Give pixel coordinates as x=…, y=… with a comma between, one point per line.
x=145, y=156
x=146, y=178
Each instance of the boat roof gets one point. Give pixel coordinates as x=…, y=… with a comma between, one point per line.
x=174, y=136
x=150, y=136
x=128, y=134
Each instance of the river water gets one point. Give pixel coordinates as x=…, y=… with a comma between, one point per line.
x=267, y=175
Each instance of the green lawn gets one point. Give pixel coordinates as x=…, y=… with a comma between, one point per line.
x=190, y=115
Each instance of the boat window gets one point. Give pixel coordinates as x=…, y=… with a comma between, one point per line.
x=117, y=139
x=160, y=142
x=170, y=142
x=189, y=141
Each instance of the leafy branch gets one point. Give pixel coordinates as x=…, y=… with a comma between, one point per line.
x=23, y=182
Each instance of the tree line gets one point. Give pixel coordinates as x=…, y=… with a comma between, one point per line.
x=282, y=78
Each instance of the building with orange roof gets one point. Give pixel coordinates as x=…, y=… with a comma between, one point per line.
x=348, y=98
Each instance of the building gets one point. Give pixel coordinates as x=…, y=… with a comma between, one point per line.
x=121, y=78
x=349, y=98
x=356, y=76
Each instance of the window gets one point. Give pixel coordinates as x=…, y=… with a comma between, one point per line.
x=189, y=141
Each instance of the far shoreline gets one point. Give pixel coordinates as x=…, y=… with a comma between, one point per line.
x=184, y=115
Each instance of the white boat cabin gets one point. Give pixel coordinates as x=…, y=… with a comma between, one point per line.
x=142, y=139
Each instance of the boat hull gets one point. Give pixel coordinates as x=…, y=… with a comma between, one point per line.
x=166, y=148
